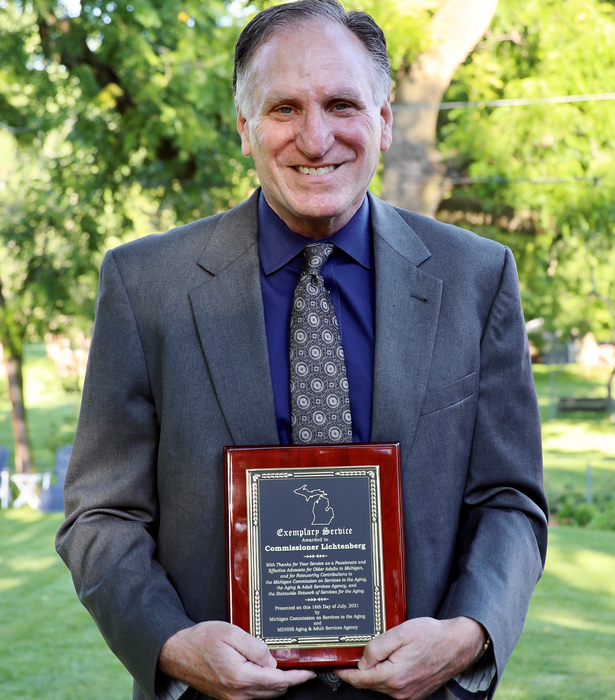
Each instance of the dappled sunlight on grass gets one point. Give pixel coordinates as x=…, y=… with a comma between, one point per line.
x=564, y=619
x=28, y=564
x=579, y=437
x=571, y=442
x=564, y=469
x=49, y=647
x=583, y=568
x=43, y=388
x=565, y=651
x=7, y=583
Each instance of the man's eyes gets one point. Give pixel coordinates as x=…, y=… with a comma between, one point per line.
x=337, y=107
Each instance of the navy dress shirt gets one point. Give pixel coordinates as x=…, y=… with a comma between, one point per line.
x=349, y=277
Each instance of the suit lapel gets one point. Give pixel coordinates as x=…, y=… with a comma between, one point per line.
x=228, y=311
x=229, y=315
x=407, y=310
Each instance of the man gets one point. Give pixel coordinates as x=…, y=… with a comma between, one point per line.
x=190, y=353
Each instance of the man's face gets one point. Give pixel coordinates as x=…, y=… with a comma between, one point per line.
x=315, y=130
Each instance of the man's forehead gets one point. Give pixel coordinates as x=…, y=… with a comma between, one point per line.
x=327, y=55
x=315, y=28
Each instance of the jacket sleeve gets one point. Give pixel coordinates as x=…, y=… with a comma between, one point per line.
x=502, y=539
x=109, y=537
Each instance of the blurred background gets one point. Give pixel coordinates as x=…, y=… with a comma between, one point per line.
x=117, y=120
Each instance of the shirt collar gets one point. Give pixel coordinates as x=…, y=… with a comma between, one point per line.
x=278, y=245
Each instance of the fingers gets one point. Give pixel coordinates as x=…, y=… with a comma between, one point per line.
x=224, y=662
x=351, y=676
x=297, y=677
x=374, y=678
x=259, y=682
x=410, y=661
x=259, y=670
x=252, y=649
x=380, y=648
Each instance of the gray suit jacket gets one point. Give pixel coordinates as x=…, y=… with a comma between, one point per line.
x=179, y=368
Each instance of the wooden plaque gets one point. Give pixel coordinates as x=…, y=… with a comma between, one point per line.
x=315, y=548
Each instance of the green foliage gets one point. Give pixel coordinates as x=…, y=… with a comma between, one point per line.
x=61, y=432
x=134, y=93
x=571, y=508
x=47, y=260
x=117, y=120
x=546, y=173
x=405, y=25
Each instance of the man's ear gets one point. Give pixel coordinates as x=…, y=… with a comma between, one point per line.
x=244, y=132
x=386, y=125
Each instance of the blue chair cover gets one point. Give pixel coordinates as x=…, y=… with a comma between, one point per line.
x=52, y=499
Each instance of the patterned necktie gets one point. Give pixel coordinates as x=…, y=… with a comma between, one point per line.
x=319, y=400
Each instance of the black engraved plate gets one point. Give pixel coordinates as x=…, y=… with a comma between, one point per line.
x=315, y=567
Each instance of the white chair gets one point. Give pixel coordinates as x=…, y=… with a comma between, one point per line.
x=5, y=489
x=27, y=485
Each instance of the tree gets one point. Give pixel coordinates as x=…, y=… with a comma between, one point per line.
x=540, y=178
x=413, y=170
x=47, y=271
x=114, y=116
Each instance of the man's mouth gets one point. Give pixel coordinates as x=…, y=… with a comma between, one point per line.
x=315, y=171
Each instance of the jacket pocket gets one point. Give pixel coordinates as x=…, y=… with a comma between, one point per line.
x=450, y=394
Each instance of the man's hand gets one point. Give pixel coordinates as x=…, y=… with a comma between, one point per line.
x=412, y=660
x=225, y=662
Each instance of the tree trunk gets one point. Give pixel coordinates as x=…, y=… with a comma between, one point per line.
x=23, y=459
x=12, y=346
x=413, y=168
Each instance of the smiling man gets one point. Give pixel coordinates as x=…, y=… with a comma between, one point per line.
x=315, y=126
x=200, y=341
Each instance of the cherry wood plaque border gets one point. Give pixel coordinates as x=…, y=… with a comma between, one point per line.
x=387, y=457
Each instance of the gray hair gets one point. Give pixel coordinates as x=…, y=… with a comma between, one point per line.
x=288, y=16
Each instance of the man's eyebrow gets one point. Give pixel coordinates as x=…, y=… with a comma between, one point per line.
x=275, y=98
x=346, y=96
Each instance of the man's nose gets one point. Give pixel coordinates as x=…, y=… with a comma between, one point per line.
x=315, y=136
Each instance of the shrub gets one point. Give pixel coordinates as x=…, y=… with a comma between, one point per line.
x=571, y=508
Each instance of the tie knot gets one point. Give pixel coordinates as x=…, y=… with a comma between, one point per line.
x=315, y=256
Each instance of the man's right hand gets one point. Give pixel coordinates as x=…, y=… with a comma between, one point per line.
x=223, y=661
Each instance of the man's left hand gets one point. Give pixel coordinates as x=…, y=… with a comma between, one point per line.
x=414, y=659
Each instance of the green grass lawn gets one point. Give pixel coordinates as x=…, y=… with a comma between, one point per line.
x=572, y=441
x=51, y=650
x=567, y=649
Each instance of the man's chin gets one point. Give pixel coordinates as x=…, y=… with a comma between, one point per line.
x=322, y=208
x=317, y=222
